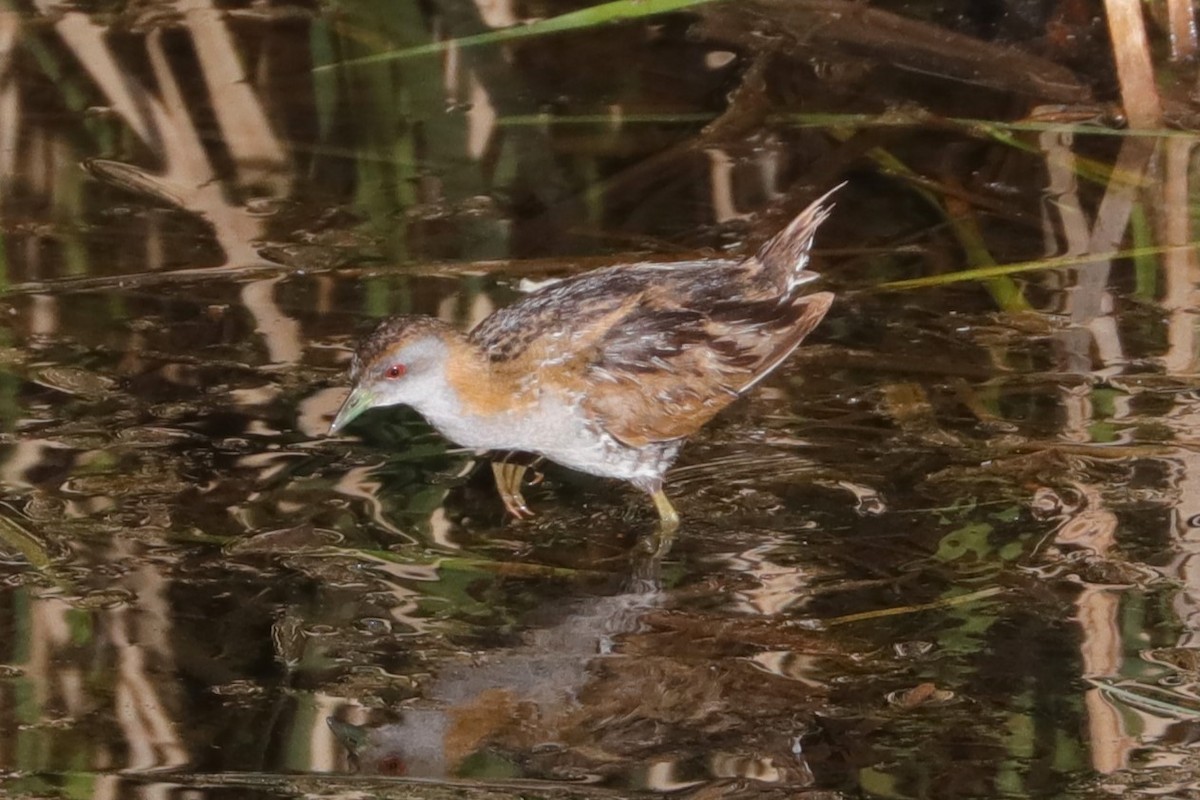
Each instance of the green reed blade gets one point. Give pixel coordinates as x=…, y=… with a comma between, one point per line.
x=603, y=14
x=985, y=273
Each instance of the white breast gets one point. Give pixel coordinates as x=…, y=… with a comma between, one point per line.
x=553, y=429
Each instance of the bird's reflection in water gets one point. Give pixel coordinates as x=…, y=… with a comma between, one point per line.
x=598, y=696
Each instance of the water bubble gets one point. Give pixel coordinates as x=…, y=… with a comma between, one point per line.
x=373, y=626
x=923, y=694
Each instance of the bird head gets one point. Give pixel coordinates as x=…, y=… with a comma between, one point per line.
x=402, y=362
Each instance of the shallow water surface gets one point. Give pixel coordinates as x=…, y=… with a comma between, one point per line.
x=948, y=550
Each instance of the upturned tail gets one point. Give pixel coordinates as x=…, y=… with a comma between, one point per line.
x=784, y=256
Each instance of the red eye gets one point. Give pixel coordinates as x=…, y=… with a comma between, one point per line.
x=396, y=371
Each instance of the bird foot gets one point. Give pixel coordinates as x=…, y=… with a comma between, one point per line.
x=514, y=503
x=508, y=482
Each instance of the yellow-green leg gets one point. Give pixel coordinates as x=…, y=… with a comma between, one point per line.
x=667, y=515
x=509, y=477
x=656, y=545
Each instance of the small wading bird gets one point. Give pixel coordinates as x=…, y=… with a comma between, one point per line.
x=606, y=373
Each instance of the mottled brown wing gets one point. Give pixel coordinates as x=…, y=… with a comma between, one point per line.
x=565, y=318
x=664, y=372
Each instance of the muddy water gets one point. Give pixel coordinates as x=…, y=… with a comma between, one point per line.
x=947, y=551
